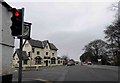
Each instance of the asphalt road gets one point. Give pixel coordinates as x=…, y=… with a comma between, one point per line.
x=80, y=74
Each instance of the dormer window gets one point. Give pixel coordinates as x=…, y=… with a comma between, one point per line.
x=46, y=47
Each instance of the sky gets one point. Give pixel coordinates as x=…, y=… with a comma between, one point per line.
x=70, y=25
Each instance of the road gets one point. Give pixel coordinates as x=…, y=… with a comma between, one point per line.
x=83, y=74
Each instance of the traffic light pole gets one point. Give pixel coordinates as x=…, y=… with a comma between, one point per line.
x=21, y=50
x=20, y=62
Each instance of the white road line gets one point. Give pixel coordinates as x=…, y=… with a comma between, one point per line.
x=43, y=80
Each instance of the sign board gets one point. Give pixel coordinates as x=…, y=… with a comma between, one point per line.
x=26, y=30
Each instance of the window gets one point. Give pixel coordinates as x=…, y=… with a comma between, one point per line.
x=45, y=57
x=52, y=54
x=33, y=50
x=25, y=62
x=48, y=57
x=29, y=54
x=38, y=61
x=53, y=60
x=46, y=47
x=38, y=53
x=44, y=61
x=46, y=53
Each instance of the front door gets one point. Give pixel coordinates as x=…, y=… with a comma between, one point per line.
x=46, y=62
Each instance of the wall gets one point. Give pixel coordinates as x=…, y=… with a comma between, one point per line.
x=0, y=39
x=7, y=41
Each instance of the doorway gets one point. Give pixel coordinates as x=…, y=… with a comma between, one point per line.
x=46, y=62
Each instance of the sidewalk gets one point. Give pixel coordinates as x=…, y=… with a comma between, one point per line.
x=114, y=68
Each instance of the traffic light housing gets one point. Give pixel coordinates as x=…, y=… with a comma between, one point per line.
x=17, y=20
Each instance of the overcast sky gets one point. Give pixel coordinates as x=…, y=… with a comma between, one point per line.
x=68, y=24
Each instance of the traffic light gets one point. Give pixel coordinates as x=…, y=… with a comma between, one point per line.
x=17, y=20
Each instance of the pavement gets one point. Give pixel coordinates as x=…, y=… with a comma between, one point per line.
x=114, y=68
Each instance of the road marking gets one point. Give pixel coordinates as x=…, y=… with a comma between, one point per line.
x=46, y=81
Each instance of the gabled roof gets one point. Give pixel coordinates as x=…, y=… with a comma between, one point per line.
x=42, y=44
x=45, y=42
x=52, y=46
x=24, y=57
x=36, y=43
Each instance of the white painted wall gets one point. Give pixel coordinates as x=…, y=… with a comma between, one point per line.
x=0, y=39
x=7, y=39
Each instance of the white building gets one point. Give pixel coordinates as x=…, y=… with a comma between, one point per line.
x=38, y=53
x=6, y=39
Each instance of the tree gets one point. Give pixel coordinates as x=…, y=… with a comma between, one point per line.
x=65, y=58
x=87, y=56
x=112, y=33
x=97, y=48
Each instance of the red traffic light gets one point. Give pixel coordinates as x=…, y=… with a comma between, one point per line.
x=16, y=13
x=17, y=19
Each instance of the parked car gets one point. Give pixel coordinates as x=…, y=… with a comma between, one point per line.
x=70, y=63
x=89, y=63
x=76, y=62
